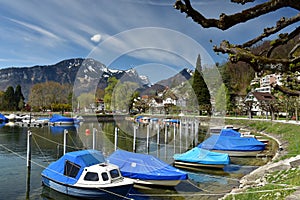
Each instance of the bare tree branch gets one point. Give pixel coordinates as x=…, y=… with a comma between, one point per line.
x=227, y=21
x=257, y=61
x=281, y=24
x=286, y=90
x=297, y=46
x=283, y=39
x=242, y=1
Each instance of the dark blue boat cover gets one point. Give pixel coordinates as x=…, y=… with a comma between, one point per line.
x=203, y=156
x=144, y=167
x=3, y=118
x=60, y=118
x=229, y=143
x=230, y=132
x=84, y=158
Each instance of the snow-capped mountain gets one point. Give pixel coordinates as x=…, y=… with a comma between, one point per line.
x=81, y=72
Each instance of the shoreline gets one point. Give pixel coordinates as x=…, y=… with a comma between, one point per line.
x=257, y=178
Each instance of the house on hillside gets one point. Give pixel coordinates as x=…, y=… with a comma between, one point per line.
x=266, y=82
x=260, y=104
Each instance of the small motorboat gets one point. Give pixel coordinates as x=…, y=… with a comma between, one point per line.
x=218, y=129
x=230, y=142
x=198, y=157
x=85, y=174
x=58, y=120
x=3, y=118
x=146, y=170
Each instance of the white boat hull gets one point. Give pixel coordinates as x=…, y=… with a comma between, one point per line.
x=155, y=183
x=196, y=165
x=116, y=191
x=239, y=153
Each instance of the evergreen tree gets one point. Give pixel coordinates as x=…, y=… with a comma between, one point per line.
x=108, y=97
x=9, y=99
x=201, y=90
x=19, y=98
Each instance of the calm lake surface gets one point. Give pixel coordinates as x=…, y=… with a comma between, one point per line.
x=47, y=145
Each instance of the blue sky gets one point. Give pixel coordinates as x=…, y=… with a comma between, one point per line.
x=140, y=34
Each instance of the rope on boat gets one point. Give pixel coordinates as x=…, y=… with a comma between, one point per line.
x=217, y=177
x=118, y=195
x=56, y=142
x=178, y=195
x=40, y=150
x=23, y=157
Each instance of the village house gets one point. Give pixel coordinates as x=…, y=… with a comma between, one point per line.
x=259, y=103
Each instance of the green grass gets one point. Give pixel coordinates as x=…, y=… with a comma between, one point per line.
x=280, y=183
x=289, y=133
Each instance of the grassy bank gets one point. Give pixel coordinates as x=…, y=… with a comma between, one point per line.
x=288, y=134
x=280, y=184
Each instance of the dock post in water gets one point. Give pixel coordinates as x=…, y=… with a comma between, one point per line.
x=65, y=141
x=148, y=132
x=134, y=138
x=196, y=133
x=180, y=134
x=94, y=138
x=166, y=134
x=158, y=130
x=174, y=137
x=116, y=138
x=29, y=135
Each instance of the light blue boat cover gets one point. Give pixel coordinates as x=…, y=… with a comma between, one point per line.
x=84, y=158
x=203, y=156
x=229, y=143
x=144, y=167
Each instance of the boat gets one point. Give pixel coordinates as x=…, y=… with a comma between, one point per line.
x=170, y=122
x=26, y=119
x=146, y=170
x=11, y=117
x=233, y=133
x=198, y=157
x=3, y=118
x=86, y=174
x=218, y=129
x=142, y=120
x=42, y=120
x=57, y=119
x=233, y=145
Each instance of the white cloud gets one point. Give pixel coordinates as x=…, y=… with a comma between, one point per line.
x=35, y=28
x=96, y=38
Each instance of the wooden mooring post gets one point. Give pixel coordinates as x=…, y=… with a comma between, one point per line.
x=65, y=141
x=134, y=138
x=94, y=138
x=29, y=135
x=148, y=133
x=116, y=138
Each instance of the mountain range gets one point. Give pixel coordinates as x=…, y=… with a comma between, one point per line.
x=83, y=73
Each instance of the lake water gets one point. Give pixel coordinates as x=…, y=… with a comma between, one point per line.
x=47, y=145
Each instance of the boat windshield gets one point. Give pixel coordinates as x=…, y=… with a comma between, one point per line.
x=114, y=173
x=71, y=169
x=91, y=176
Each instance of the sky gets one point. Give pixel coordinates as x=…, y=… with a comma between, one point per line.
x=147, y=35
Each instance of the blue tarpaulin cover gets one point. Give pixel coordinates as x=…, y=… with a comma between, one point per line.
x=84, y=158
x=203, y=156
x=229, y=143
x=230, y=132
x=3, y=118
x=144, y=167
x=60, y=118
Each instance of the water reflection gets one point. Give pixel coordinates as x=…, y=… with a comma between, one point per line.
x=157, y=140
